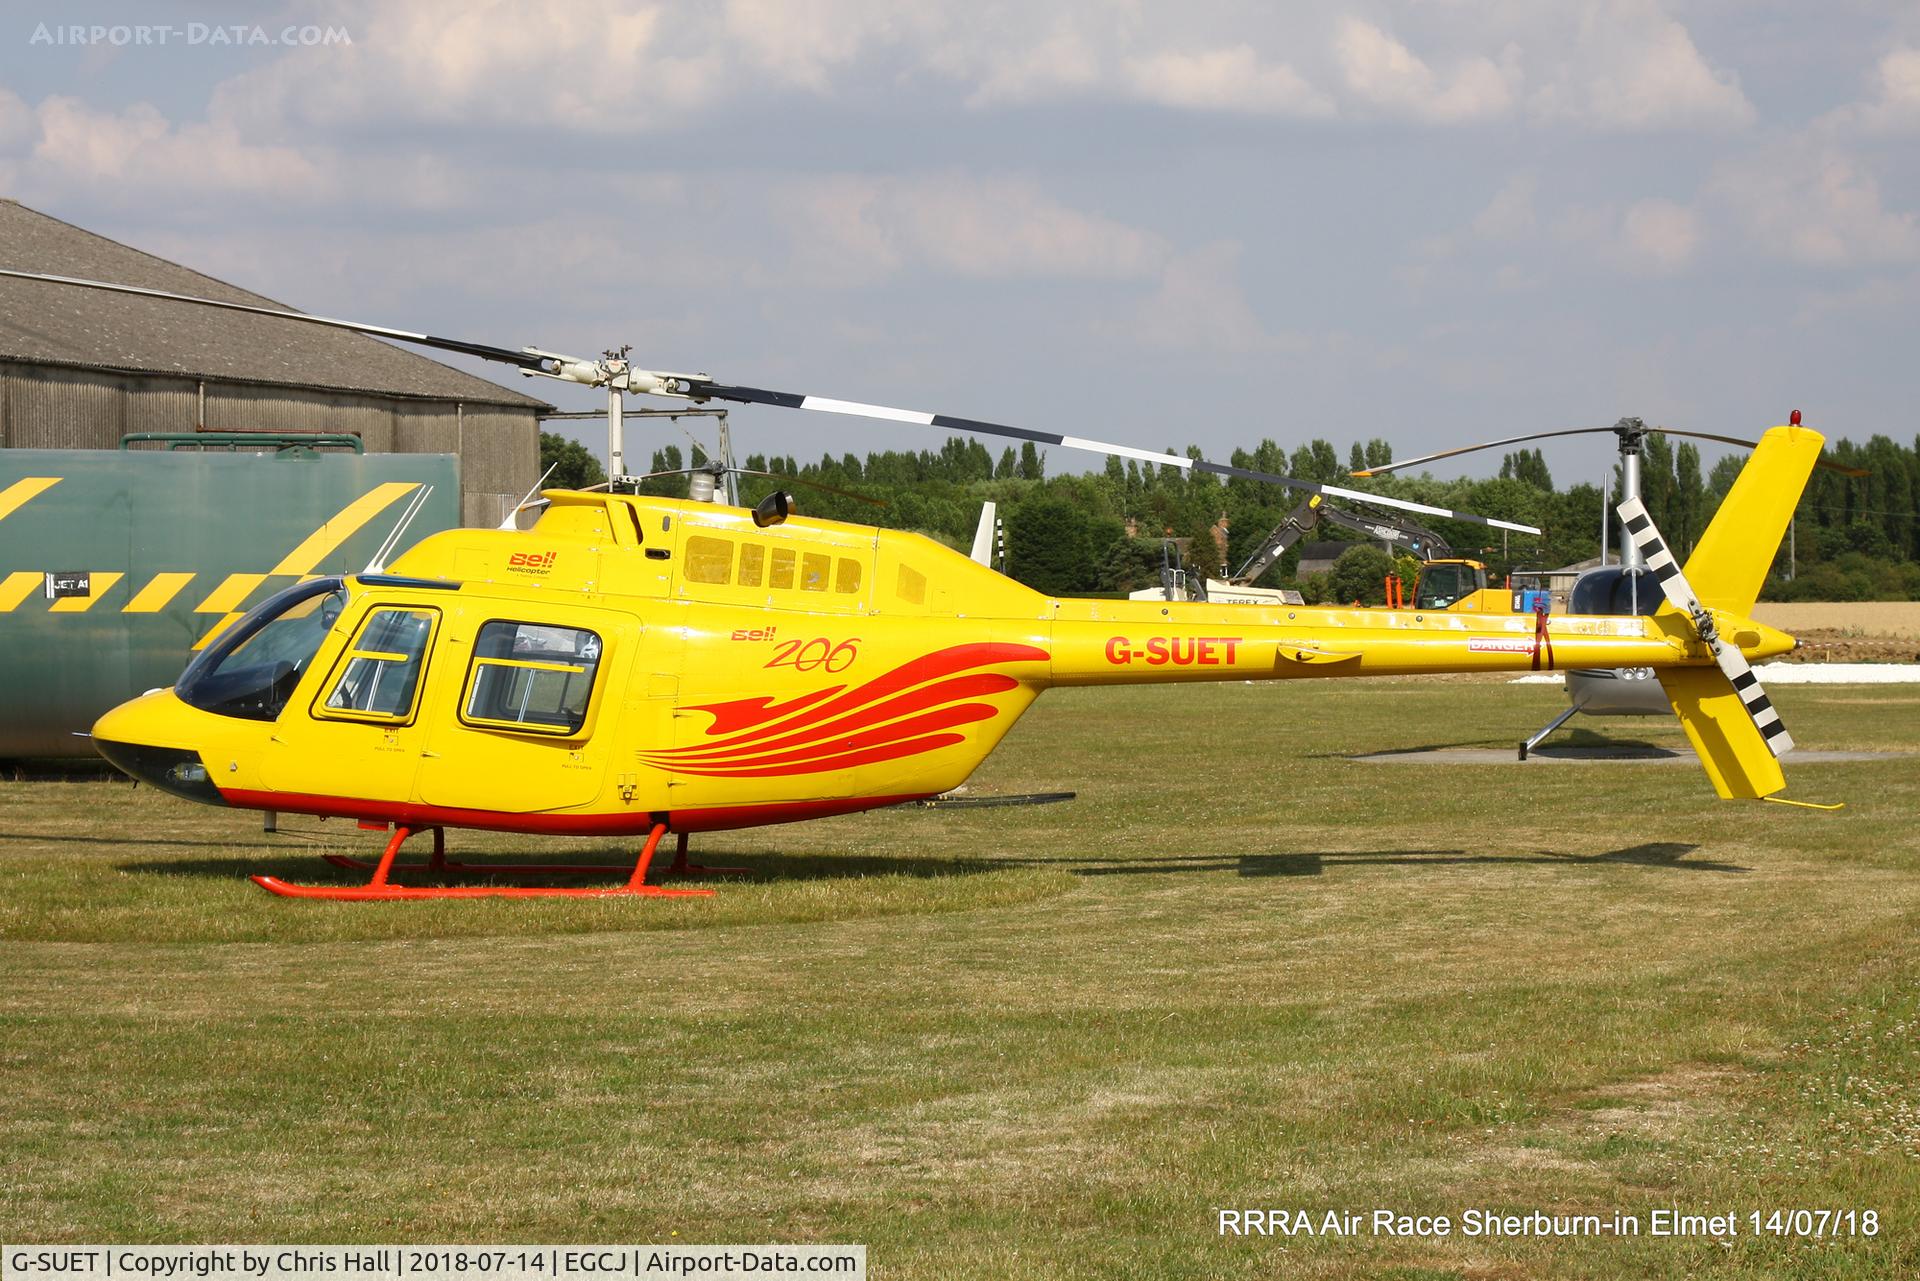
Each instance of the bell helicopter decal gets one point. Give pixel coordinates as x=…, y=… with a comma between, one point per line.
x=611, y=696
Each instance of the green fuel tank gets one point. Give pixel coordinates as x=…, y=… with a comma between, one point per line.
x=116, y=567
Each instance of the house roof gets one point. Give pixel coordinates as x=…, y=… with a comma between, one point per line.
x=90, y=329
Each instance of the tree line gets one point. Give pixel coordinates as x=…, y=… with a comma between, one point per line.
x=1854, y=538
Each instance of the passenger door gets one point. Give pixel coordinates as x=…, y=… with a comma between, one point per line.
x=525, y=726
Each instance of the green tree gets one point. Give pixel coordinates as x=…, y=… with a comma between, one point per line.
x=1031, y=466
x=1528, y=466
x=1689, y=502
x=573, y=464
x=1050, y=545
x=1360, y=573
x=1130, y=565
x=1007, y=468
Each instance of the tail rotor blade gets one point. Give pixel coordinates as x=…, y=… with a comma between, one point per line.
x=1673, y=584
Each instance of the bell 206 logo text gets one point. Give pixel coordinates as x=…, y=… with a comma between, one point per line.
x=1175, y=651
x=532, y=562
x=804, y=655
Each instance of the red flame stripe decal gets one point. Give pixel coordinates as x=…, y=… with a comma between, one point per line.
x=749, y=712
x=978, y=685
x=871, y=756
x=816, y=732
x=913, y=727
x=944, y=662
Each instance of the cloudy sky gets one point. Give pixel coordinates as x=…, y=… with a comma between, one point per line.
x=1154, y=223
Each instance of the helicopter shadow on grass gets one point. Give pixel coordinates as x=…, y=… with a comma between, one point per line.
x=1575, y=744
x=1662, y=854
x=760, y=867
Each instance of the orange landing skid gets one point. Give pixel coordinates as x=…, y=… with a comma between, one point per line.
x=379, y=888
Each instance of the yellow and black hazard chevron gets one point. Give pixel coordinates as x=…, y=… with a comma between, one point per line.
x=116, y=566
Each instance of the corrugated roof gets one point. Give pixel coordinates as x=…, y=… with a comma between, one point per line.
x=88, y=328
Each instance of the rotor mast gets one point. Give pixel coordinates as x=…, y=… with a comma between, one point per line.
x=1633, y=435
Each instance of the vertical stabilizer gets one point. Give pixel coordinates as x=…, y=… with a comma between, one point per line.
x=1731, y=560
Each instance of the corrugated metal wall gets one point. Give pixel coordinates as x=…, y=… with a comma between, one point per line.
x=50, y=407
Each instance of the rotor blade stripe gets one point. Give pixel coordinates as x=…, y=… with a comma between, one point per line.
x=1639, y=524
x=705, y=390
x=523, y=359
x=1664, y=573
x=1128, y=451
x=827, y=405
x=1745, y=679
x=1759, y=703
x=995, y=429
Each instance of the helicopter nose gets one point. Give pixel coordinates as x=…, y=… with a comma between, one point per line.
x=141, y=739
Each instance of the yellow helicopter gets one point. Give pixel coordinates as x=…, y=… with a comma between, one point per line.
x=642, y=665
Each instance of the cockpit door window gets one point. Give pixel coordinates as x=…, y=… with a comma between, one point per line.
x=379, y=676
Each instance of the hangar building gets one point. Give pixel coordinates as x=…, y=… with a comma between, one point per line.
x=80, y=368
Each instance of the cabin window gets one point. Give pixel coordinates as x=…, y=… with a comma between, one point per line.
x=531, y=677
x=911, y=586
x=780, y=572
x=846, y=577
x=815, y=569
x=753, y=564
x=709, y=560
x=380, y=672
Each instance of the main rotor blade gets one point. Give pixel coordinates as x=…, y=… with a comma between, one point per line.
x=1674, y=585
x=704, y=389
x=1844, y=470
x=1384, y=468
x=700, y=388
x=1736, y=441
x=523, y=359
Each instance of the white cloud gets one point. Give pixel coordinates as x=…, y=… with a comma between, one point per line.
x=1383, y=74
x=1057, y=64
x=1628, y=66
x=1659, y=235
x=627, y=66
x=1227, y=79
x=1805, y=201
x=1893, y=104
x=855, y=229
x=16, y=121
x=137, y=151
x=1200, y=306
x=1510, y=213
x=804, y=42
x=596, y=66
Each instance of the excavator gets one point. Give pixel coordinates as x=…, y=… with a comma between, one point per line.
x=1446, y=582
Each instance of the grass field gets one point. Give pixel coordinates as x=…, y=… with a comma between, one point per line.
x=1241, y=970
